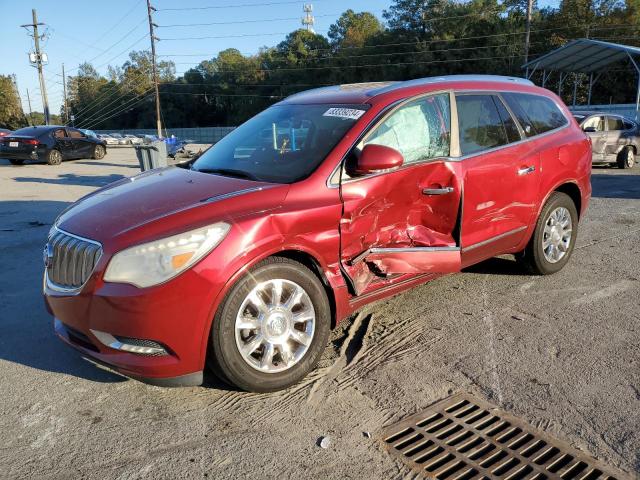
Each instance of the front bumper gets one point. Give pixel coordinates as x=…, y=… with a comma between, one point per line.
x=175, y=315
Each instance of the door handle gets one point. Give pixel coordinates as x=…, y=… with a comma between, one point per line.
x=526, y=170
x=437, y=191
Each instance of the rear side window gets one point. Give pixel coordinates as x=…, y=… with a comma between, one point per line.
x=513, y=135
x=615, y=123
x=479, y=123
x=536, y=114
x=75, y=134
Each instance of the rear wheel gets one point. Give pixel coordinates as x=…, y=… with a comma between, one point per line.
x=554, y=238
x=99, y=152
x=16, y=161
x=271, y=328
x=626, y=158
x=54, y=157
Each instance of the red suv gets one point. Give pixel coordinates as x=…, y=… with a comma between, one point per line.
x=327, y=201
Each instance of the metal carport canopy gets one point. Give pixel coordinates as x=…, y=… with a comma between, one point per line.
x=586, y=56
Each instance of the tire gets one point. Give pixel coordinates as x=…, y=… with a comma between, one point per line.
x=15, y=161
x=270, y=331
x=54, y=157
x=626, y=158
x=99, y=152
x=534, y=258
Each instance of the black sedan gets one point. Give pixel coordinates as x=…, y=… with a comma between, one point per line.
x=51, y=144
x=614, y=139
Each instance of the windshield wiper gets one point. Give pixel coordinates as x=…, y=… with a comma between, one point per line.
x=229, y=172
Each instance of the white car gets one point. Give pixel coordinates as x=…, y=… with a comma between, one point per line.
x=132, y=139
x=109, y=139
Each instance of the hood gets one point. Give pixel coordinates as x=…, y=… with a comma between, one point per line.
x=133, y=202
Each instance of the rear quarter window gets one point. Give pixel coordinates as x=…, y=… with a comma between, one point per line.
x=536, y=114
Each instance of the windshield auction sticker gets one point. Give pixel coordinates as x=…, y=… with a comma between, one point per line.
x=350, y=113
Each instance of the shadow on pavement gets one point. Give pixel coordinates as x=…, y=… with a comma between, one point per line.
x=27, y=329
x=498, y=266
x=615, y=186
x=73, y=179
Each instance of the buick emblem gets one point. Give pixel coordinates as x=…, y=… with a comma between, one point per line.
x=47, y=256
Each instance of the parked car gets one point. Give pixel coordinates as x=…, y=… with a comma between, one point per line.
x=4, y=132
x=614, y=139
x=108, y=139
x=119, y=137
x=132, y=139
x=51, y=143
x=251, y=259
x=89, y=133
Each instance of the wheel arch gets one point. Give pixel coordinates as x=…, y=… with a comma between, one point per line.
x=309, y=261
x=301, y=255
x=573, y=191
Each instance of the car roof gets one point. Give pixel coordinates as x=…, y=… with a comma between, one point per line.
x=359, y=93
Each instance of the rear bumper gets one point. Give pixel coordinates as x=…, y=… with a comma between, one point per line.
x=35, y=154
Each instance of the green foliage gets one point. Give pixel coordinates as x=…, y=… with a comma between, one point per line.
x=11, y=115
x=421, y=38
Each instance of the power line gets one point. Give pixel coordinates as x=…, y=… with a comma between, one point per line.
x=121, y=108
x=128, y=107
x=216, y=7
x=226, y=36
x=266, y=70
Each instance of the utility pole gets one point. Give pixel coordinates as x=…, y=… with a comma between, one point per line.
x=39, y=59
x=153, y=62
x=527, y=30
x=64, y=93
x=30, y=112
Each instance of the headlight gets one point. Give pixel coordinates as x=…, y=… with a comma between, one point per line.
x=156, y=262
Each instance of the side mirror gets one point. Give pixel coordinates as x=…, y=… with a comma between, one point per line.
x=590, y=130
x=377, y=158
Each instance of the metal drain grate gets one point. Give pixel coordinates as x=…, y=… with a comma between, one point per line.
x=464, y=438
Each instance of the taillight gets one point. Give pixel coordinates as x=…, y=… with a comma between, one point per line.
x=31, y=141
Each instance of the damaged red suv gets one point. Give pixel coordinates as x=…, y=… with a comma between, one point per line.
x=329, y=200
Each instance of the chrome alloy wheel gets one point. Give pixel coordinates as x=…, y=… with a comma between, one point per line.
x=556, y=237
x=275, y=325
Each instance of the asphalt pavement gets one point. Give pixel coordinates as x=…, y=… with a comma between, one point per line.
x=560, y=352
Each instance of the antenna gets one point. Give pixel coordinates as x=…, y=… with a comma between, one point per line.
x=308, y=20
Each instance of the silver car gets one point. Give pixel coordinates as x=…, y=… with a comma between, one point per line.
x=614, y=139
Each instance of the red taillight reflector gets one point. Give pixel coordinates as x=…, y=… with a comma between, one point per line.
x=30, y=141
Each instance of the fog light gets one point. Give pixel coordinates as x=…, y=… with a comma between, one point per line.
x=132, y=345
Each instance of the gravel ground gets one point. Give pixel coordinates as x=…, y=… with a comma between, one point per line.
x=560, y=351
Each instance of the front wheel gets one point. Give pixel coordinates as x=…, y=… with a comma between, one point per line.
x=54, y=157
x=554, y=238
x=271, y=328
x=626, y=158
x=99, y=152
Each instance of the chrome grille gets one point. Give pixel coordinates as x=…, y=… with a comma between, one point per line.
x=71, y=259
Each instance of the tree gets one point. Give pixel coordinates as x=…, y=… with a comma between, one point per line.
x=354, y=29
x=11, y=115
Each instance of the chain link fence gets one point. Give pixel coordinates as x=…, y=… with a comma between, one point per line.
x=195, y=135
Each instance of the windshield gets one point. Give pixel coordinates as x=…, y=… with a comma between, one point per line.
x=283, y=144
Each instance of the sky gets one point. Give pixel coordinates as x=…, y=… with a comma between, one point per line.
x=103, y=33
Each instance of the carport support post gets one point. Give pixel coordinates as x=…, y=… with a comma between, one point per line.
x=590, y=87
x=575, y=88
x=638, y=91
